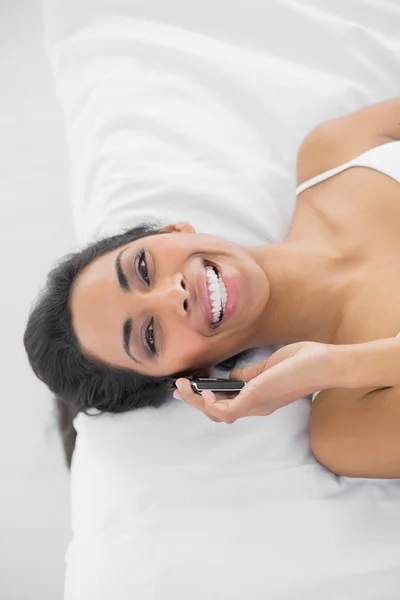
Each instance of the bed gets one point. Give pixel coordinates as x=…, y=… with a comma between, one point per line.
x=175, y=111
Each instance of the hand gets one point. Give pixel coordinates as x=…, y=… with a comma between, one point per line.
x=291, y=373
x=185, y=392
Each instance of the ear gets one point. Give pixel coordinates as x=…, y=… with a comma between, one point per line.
x=178, y=228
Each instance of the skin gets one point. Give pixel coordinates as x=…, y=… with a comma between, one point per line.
x=321, y=284
x=163, y=288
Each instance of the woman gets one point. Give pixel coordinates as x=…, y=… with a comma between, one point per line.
x=127, y=312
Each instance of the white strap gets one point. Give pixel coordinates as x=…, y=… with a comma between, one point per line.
x=383, y=158
x=321, y=177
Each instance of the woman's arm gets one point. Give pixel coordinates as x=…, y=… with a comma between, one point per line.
x=297, y=370
x=373, y=364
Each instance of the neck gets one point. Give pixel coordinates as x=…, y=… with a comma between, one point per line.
x=309, y=291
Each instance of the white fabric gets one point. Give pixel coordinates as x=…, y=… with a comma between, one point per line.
x=384, y=158
x=194, y=111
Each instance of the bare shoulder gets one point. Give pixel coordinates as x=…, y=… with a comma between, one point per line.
x=337, y=141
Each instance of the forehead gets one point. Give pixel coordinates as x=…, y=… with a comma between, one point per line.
x=101, y=268
x=95, y=298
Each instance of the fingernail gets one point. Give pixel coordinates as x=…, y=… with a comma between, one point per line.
x=178, y=384
x=177, y=395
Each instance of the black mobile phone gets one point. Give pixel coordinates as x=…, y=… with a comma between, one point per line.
x=215, y=384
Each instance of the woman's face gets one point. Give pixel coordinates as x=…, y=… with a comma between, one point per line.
x=154, y=305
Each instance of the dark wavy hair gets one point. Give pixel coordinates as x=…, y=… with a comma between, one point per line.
x=79, y=382
x=54, y=352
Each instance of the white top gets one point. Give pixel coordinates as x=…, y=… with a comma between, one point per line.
x=384, y=158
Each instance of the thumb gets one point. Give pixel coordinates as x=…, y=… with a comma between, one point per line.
x=247, y=373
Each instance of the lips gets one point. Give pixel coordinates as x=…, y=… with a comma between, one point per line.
x=232, y=292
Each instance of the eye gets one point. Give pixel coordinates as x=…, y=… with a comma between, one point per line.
x=150, y=344
x=141, y=266
x=148, y=339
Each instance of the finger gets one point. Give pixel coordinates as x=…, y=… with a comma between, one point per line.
x=185, y=392
x=215, y=397
x=218, y=408
x=245, y=404
x=219, y=396
x=213, y=418
x=189, y=395
x=247, y=373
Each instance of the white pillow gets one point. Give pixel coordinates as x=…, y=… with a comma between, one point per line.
x=197, y=113
x=194, y=112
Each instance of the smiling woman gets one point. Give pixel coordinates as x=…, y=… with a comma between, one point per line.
x=117, y=317
x=127, y=312
x=168, y=304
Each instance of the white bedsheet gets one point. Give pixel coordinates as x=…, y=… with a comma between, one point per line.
x=194, y=111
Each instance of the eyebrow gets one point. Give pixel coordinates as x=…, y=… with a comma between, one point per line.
x=122, y=278
x=126, y=336
x=126, y=287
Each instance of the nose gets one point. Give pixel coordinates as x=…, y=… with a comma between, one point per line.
x=171, y=293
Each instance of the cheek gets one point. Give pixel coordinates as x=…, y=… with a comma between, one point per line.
x=176, y=248
x=187, y=351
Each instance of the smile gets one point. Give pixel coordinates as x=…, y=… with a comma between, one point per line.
x=217, y=293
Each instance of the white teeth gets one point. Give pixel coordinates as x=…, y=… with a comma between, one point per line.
x=217, y=293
